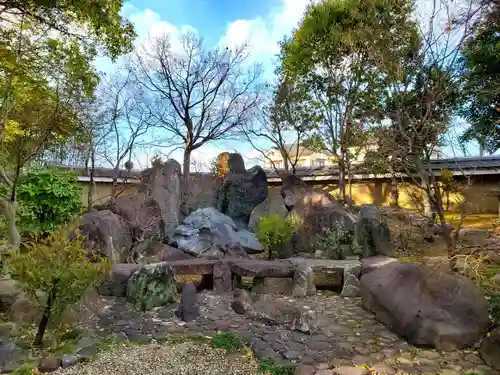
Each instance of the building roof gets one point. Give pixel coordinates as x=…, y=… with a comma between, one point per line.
x=291, y=149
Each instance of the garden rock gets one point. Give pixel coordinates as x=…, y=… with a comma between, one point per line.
x=241, y=191
x=188, y=309
x=207, y=232
x=107, y=233
x=49, y=364
x=11, y=356
x=350, y=287
x=222, y=278
x=115, y=283
x=426, y=307
x=490, y=349
x=143, y=216
x=151, y=286
x=162, y=184
x=69, y=360
x=242, y=303
x=303, y=281
x=372, y=232
x=350, y=370
x=9, y=293
x=272, y=205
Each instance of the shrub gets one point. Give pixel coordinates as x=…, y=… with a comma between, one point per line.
x=48, y=199
x=274, y=230
x=338, y=242
x=61, y=269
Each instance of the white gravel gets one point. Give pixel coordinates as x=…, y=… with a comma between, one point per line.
x=186, y=358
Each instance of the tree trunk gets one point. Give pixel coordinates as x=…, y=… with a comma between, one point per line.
x=9, y=211
x=42, y=326
x=90, y=192
x=342, y=175
x=394, y=192
x=186, y=166
x=425, y=197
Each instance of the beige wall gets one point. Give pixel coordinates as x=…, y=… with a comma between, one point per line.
x=102, y=191
x=202, y=190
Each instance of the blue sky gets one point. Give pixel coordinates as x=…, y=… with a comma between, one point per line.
x=262, y=23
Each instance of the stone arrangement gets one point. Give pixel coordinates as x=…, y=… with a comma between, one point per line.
x=281, y=314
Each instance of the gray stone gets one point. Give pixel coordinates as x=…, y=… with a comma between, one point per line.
x=371, y=263
x=49, y=364
x=372, y=232
x=382, y=369
x=302, y=369
x=115, y=283
x=301, y=323
x=69, y=360
x=11, y=356
x=426, y=307
x=162, y=184
x=350, y=370
x=351, y=284
x=240, y=192
x=272, y=205
x=303, y=281
x=107, y=233
x=188, y=309
x=490, y=349
x=242, y=303
x=152, y=286
x=208, y=232
x=88, y=351
x=222, y=278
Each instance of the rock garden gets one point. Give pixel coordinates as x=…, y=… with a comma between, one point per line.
x=244, y=286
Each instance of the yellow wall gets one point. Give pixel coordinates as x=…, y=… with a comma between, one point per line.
x=370, y=192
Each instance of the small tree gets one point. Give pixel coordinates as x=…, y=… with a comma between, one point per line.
x=274, y=231
x=61, y=269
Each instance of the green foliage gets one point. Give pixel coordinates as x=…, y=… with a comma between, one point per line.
x=274, y=230
x=48, y=199
x=60, y=268
x=494, y=304
x=481, y=84
x=227, y=341
x=101, y=19
x=338, y=242
x=268, y=366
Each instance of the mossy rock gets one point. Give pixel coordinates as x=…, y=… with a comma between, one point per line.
x=152, y=286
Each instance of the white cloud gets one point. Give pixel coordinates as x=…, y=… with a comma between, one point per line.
x=264, y=33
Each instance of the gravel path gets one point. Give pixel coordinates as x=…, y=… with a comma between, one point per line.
x=174, y=359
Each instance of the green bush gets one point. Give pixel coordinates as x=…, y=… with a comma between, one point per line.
x=274, y=230
x=268, y=366
x=48, y=199
x=58, y=267
x=338, y=242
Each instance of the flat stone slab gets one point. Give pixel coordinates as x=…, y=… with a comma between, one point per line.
x=195, y=266
x=261, y=268
x=326, y=265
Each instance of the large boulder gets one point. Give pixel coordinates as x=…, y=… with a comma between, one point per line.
x=272, y=205
x=143, y=216
x=107, y=233
x=426, y=307
x=490, y=349
x=241, y=191
x=372, y=232
x=152, y=286
x=207, y=232
x=162, y=184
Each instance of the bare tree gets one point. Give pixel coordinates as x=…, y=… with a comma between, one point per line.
x=283, y=123
x=128, y=118
x=199, y=95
